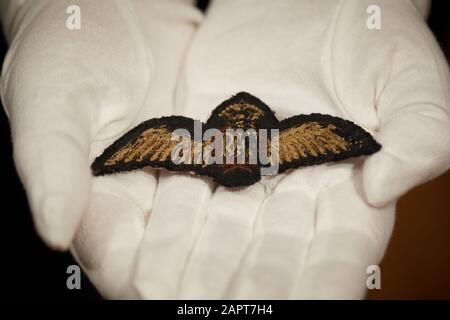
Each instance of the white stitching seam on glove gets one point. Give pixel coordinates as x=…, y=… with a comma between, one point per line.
x=309, y=234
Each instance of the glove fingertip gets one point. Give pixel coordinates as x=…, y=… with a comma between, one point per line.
x=379, y=184
x=57, y=219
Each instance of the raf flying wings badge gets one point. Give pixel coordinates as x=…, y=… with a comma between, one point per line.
x=241, y=141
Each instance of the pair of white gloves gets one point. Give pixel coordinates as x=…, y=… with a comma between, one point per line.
x=311, y=233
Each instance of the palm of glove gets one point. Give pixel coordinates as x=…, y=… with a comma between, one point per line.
x=311, y=233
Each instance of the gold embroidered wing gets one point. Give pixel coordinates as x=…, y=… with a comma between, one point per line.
x=313, y=139
x=166, y=142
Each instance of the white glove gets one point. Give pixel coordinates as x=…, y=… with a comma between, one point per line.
x=314, y=232
x=107, y=240
x=69, y=94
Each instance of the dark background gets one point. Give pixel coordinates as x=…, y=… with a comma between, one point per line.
x=416, y=265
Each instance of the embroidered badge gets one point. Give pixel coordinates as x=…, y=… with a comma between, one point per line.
x=241, y=141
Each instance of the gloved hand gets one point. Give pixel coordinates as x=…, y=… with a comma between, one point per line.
x=288, y=239
x=311, y=233
x=69, y=94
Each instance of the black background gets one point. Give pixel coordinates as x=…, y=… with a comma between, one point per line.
x=29, y=268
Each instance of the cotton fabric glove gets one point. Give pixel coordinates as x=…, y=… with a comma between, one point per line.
x=423, y=6
x=69, y=94
x=311, y=233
